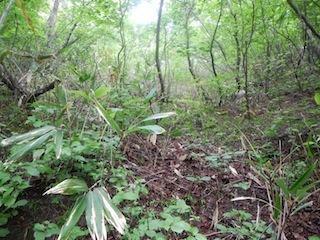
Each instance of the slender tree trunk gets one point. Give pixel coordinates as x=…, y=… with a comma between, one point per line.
x=52, y=20
x=245, y=59
x=238, y=48
x=5, y=12
x=122, y=54
x=158, y=64
x=304, y=19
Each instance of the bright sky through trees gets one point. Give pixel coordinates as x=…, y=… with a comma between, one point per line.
x=145, y=12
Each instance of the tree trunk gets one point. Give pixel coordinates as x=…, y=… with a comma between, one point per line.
x=158, y=64
x=52, y=20
x=303, y=19
x=5, y=13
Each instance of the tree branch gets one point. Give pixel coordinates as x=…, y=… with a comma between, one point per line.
x=303, y=18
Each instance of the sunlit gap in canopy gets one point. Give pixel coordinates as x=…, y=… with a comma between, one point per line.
x=145, y=12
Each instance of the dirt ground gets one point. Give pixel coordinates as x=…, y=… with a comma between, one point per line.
x=166, y=177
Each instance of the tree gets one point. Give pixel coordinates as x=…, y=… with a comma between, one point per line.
x=157, y=56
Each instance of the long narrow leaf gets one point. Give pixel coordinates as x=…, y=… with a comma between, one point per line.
x=280, y=182
x=73, y=218
x=29, y=135
x=82, y=94
x=58, y=137
x=29, y=147
x=68, y=187
x=112, y=213
x=95, y=216
x=153, y=128
x=107, y=118
x=159, y=115
x=303, y=179
x=101, y=91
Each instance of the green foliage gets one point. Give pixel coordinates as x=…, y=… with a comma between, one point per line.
x=11, y=187
x=243, y=227
x=45, y=230
x=170, y=221
x=97, y=206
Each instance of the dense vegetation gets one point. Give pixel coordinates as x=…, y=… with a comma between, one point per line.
x=202, y=125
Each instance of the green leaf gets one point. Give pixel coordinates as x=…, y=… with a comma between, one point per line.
x=277, y=206
x=27, y=136
x=313, y=238
x=29, y=147
x=95, y=216
x=317, y=98
x=150, y=95
x=4, y=177
x=82, y=94
x=283, y=186
x=103, y=113
x=101, y=91
x=180, y=226
x=32, y=171
x=73, y=218
x=303, y=179
x=4, y=232
x=153, y=128
x=61, y=95
x=159, y=115
x=243, y=185
x=112, y=213
x=68, y=187
x=58, y=140
x=20, y=203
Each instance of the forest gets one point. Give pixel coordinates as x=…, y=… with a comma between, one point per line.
x=200, y=123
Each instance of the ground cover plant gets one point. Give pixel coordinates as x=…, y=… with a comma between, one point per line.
x=202, y=123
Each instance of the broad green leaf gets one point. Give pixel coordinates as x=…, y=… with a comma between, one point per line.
x=153, y=128
x=112, y=213
x=283, y=186
x=4, y=232
x=32, y=171
x=82, y=94
x=9, y=201
x=27, y=136
x=29, y=147
x=69, y=187
x=150, y=95
x=4, y=177
x=180, y=226
x=58, y=140
x=103, y=113
x=101, y=91
x=317, y=98
x=73, y=218
x=303, y=179
x=95, y=216
x=159, y=115
x=20, y=203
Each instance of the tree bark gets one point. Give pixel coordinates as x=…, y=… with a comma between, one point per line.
x=5, y=12
x=303, y=18
x=52, y=20
x=158, y=64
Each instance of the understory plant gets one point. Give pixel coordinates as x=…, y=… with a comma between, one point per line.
x=50, y=143
x=243, y=227
x=284, y=198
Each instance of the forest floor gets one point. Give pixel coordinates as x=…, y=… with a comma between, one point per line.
x=207, y=175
